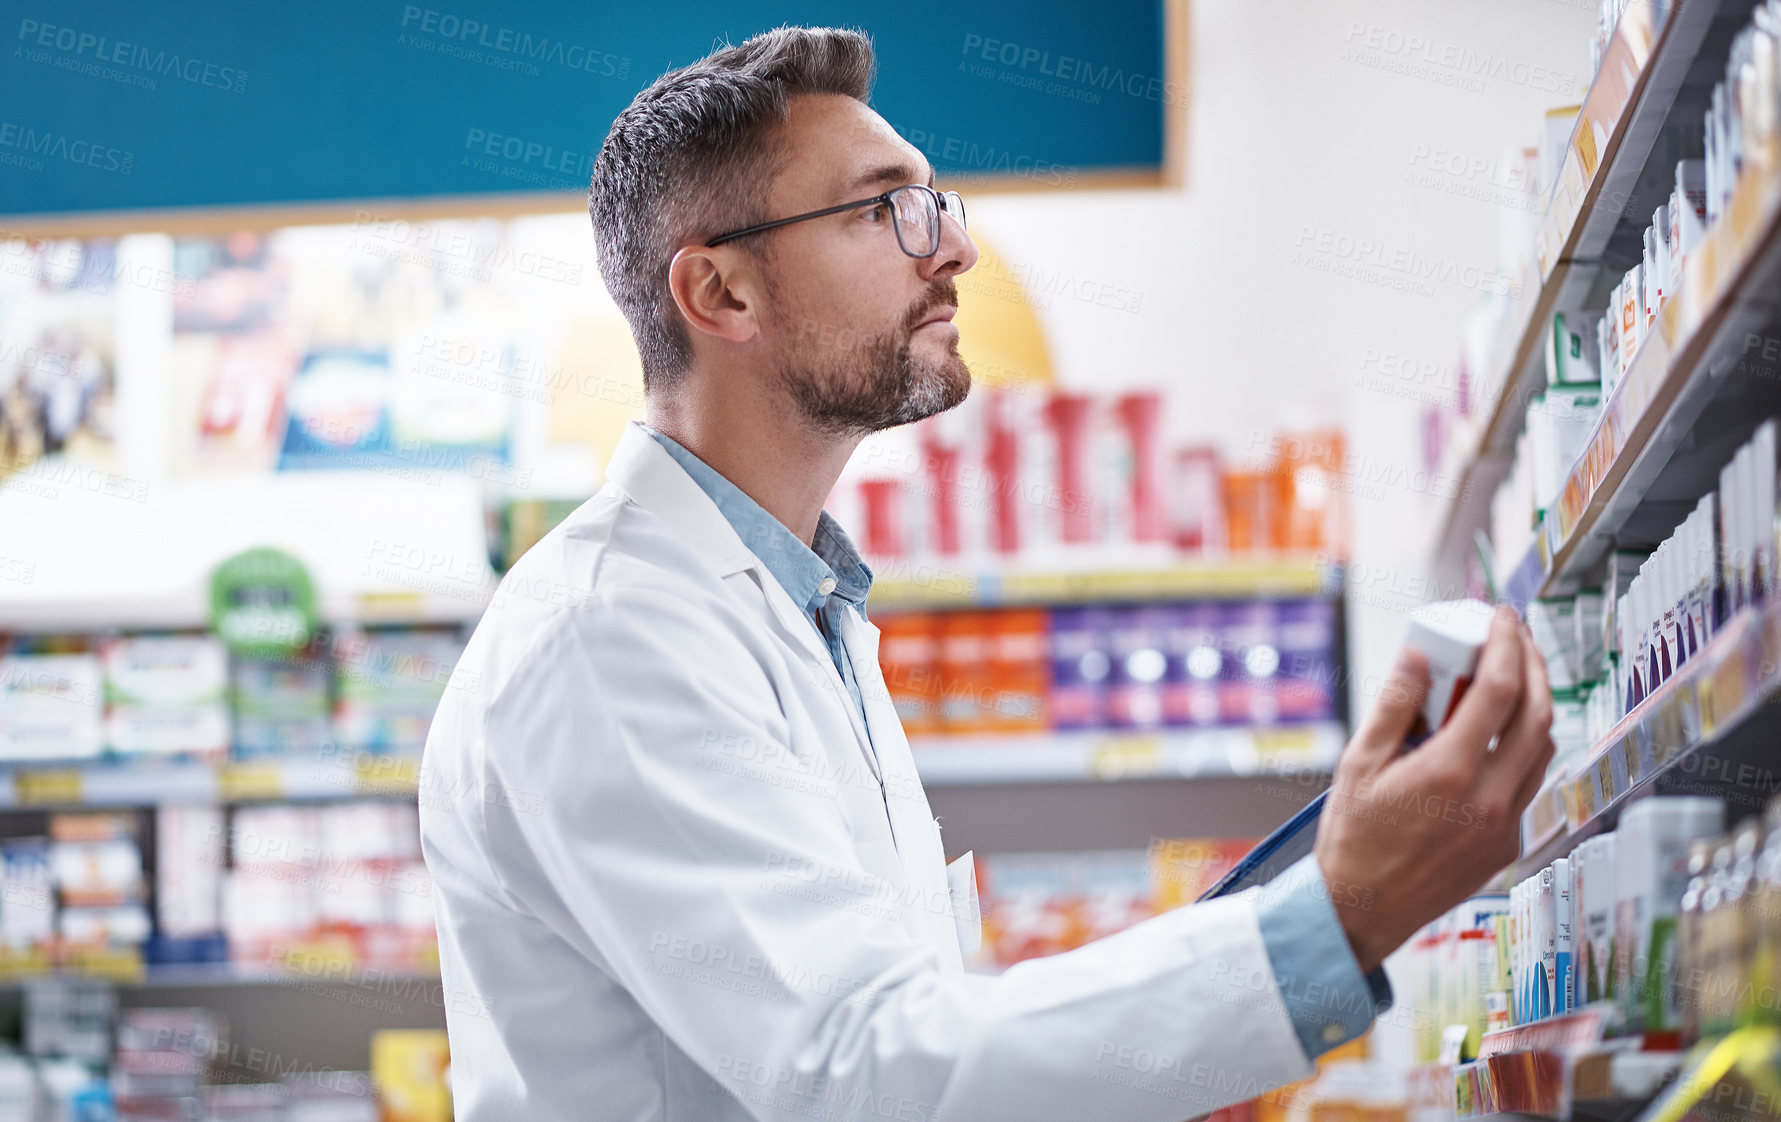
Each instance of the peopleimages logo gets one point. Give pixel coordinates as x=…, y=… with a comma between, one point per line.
x=99, y=49
x=471, y=37
x=1067, y=69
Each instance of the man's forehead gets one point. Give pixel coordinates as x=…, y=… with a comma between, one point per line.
x=838, y=146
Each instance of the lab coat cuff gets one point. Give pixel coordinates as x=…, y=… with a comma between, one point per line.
x=1321, y=985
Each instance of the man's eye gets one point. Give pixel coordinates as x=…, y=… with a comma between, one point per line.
x=877, y=213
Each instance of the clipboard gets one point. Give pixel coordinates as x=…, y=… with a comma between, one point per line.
x=1274, y=854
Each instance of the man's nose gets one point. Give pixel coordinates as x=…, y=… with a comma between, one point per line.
x=957, y=252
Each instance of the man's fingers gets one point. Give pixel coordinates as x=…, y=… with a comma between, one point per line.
x=1530, y=730
x=1496, y=689
x=1383, y=732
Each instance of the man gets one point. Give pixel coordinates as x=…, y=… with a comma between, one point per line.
x=684, y=868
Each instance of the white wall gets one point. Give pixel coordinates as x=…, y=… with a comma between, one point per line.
x=1298, y=130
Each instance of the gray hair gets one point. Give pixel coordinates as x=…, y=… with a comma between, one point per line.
x=693, y=156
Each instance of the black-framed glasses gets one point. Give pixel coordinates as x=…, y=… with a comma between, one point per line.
x=916, y=206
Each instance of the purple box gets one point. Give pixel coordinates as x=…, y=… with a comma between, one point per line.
x=1196, y=660
x=1080, y=663
x=1139, y=667
x=1306, y=631
x=1247, y=681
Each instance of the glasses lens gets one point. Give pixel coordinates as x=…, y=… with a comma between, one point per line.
x=954, y=204
x=918, y=220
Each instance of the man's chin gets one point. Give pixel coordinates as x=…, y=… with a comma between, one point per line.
x=936, y=391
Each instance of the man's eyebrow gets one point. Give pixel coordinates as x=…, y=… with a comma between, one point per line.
x=892, y=174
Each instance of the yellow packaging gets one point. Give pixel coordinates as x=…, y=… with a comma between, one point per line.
x=409, y=1068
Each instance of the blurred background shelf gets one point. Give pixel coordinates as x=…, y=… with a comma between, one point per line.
x=124, y=783
x=1111, y=756
x=133, y=555
x=906, y=586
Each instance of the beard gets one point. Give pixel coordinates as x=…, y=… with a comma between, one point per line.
x=863, y=385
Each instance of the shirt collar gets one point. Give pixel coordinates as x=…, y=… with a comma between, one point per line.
x=799, y=569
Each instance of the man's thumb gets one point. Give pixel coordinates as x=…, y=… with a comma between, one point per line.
x=1395, y=714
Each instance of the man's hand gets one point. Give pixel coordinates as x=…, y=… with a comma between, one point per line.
x=1404, y=838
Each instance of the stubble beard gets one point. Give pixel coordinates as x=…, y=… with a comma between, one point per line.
x=876, y=383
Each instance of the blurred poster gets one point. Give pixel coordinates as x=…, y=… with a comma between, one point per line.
x=58, y=353
x=373, y=346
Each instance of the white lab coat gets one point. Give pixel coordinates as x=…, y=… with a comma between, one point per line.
x=670, y=885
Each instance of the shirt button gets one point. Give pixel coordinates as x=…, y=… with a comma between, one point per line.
x=827, y=586
x=1332, y=1034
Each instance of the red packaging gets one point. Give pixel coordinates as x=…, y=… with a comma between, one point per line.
x=1198, y=502
x=1020, y=670
x=1141, y=417
x=965, y=687
x=885, y=533
x=1069, y=416
x=1001, y=465
x=908, y=648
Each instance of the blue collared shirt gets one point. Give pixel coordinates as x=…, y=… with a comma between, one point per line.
x=1321, y=985
x=823, y=581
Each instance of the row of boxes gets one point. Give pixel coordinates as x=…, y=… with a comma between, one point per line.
x=161, y=695
x=1199, y=664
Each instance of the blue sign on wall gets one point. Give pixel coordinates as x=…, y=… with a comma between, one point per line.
x=112, y=106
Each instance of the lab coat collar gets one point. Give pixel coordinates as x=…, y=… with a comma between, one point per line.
x=644, y=470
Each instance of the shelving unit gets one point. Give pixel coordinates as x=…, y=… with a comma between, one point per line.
x=381, y=548
x=903, y=586
x=1617, y=170
x=1688, y=400
x=1166, y=753
x=1701, y=732
x=154, y=782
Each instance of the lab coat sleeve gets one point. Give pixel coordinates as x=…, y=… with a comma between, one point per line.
x=730, y=903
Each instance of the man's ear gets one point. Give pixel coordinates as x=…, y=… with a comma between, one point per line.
x=713, y=291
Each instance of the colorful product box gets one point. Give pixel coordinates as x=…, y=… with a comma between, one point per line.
x=1196, y=661
x=388, y=685
x=1249, y=676
x=908, y=653
x=1138, y=667
x=1306, y=684
x=1018, y=669
x=50, y=707
x=1081, y=662
x=167, y=694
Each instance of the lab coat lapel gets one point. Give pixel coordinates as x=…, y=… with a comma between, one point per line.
x=801, y=631
x=912, y=820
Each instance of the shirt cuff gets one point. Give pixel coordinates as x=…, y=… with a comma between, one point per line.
x=1321, y=985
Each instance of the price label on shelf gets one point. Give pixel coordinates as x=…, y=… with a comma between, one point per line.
x=386, y=775
x=1285, y=745
x=1629, y=754
x=48, y=787
x=238, y=782
x=1118, y=757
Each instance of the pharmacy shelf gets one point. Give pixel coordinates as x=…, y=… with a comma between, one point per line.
x=380, y=548
x=157, y=782
x=126, y=968
x=1068, y=757
x=905, y=585
x=1605, y=1085
x=1561, y=1068
x=1731, y=1079
x=1617, y=170
x=1708, y=730
x=1701, y=382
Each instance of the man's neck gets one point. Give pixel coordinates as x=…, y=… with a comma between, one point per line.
x=772, y=458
